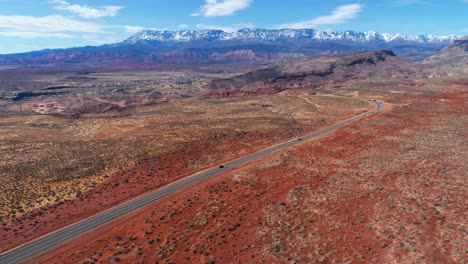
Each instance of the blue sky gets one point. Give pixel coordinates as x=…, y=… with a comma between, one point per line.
x=38, y=24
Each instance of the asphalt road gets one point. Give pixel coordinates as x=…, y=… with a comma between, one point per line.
x=23, y=252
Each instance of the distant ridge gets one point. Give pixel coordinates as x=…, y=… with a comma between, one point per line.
x=452, y=61
x=243, y=47
x=315, y=72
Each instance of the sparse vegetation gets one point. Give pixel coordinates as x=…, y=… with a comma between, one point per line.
x=389, y=188
x=371, y=192
x=60, y=170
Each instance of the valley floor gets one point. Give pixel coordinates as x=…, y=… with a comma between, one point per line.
x=389, y=189
x=60, y=171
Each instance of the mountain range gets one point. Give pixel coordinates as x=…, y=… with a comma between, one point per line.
x=274, y=35
x=245, y=46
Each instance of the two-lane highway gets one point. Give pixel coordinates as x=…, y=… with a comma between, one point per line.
x=57, y=237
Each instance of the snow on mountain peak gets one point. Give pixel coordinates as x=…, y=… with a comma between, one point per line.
x=279, y=34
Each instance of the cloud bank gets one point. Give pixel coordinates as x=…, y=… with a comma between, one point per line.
x=339, y=16
x=55, y=26
x=86, y=11
x=214, y=8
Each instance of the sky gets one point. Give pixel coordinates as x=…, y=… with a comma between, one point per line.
x=27, y=25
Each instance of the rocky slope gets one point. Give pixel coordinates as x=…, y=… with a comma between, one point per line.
x=246, y=46
x=315, y=72
x=452, y=61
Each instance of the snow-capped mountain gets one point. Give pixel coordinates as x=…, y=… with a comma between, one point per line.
x=245, y=46
x=284, y=34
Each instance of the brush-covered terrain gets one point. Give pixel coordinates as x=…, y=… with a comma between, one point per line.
x=62, y=168
x=390, y=188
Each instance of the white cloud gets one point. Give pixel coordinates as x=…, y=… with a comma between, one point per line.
x=339, y=16
x=222, y=7
x=86, y=11
x=232, y=28
x=183, y=26
x=133, y=29
x=29, y=35
x=48, y=24
x=57, y=26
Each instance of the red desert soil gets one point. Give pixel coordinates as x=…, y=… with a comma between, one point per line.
x=389, y=189
x=145, y=176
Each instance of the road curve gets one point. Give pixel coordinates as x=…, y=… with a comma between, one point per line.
x=25, y=251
